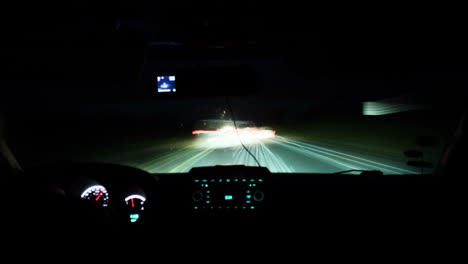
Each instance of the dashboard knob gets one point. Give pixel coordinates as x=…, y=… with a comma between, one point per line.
x=258, y=196
x=197, y=196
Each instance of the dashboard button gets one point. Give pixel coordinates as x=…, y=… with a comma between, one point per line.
x=197, y=196
x=258, y=196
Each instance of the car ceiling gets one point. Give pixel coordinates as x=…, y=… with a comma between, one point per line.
x=317, y=41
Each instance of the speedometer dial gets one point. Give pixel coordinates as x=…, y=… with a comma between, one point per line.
x=97, y=194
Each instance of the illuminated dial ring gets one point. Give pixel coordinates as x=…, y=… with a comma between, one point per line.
x=96, y=193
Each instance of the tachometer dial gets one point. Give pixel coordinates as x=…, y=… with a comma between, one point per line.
x=98, y=194
x=135, y=204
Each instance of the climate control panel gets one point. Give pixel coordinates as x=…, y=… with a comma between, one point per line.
x=239, y=192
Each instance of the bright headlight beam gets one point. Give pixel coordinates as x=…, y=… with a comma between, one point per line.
x=230, y=137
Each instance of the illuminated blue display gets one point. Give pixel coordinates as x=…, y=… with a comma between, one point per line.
x=166, y=84
x=134, y=217
x=227, y=197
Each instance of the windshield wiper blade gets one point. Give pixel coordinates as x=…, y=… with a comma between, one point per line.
x=237, y=132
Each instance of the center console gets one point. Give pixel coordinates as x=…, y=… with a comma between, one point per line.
x=229, y=190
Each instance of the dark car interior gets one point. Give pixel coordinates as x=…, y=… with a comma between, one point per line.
x=110, y=53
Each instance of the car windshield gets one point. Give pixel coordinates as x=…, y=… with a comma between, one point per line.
x=322, y=103
x=287, y=135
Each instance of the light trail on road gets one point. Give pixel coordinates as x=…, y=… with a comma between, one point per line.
x=278, y=154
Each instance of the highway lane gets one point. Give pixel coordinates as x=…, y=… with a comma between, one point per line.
x=278, y=154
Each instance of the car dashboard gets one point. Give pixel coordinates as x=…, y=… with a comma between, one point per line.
x=133, y=200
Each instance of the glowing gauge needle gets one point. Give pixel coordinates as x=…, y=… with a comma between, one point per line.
x=133, y=203
x=99, y=196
